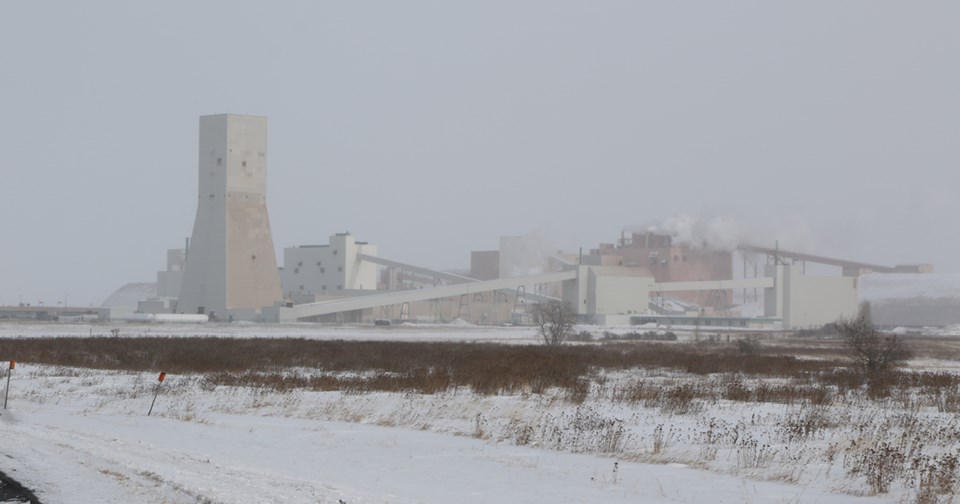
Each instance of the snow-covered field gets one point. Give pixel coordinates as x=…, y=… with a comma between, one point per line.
x=78, y=435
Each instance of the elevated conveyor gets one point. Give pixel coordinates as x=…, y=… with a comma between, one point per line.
x=843, y=263
x=308, y=310
x=443, y=275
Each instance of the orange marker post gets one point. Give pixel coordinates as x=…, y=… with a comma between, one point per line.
x=9, y=372
x=155, y=394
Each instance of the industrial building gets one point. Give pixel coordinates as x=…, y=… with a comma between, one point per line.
x=671, y=261
x=311, y=271
x=170, y=280
x=228, y=270
x=800, y=300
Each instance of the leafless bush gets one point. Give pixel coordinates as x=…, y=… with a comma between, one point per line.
x=752, y=454
x=936, y=477
x=874, y=352
x=577, y=392
x=661, y=441
x=636, y=391
x=750, y=346
x=737, y=391
x=522, y=432
x=554, y=322
x=717, y=432
x=880, y=465
x=681, y=399
x=806, y=423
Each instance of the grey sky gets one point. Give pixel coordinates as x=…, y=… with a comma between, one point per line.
x=433, y=128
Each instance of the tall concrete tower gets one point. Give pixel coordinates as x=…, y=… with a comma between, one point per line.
x=231, y=267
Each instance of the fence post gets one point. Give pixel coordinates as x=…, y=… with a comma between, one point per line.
x=9, y=372
x=157, y=392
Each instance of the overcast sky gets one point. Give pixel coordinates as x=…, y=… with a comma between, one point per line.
x=433, y=128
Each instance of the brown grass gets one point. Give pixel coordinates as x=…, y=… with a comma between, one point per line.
x=485, y=368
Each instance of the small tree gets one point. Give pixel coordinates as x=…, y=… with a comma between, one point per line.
x=555, y=322
x=875, y=353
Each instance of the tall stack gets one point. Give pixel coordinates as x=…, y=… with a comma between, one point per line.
x=231, y=266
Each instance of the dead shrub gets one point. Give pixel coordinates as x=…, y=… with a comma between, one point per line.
x=681, y=400
x=636, y=391
x=737, y=391
x=807, y=423
x=749, y=346
x=936, y=477
x=875, y=353
x=880, y=465
x=578, y=392
x=752, y=454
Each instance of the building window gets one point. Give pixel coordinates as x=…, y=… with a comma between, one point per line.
x=340, y=287
x=323, y=270
x=319, y=263
x=301, y=287
x=296, y=270
x=219, y=161
x=244, y=164
x=334, y=252
x=299, y=263
x=340, y=268
x=323, y=288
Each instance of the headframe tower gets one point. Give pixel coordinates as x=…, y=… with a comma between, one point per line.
x=231, y=266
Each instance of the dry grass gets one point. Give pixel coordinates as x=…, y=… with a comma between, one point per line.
x=488, y=368
x=394, y=366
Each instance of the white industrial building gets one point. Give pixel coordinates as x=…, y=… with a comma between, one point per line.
x=335, y=269
x=806, y=301
x=231, y=268
x=603, y=291
x=620, y=295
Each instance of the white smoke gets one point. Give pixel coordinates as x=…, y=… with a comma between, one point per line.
x=725, y=232
x=718, y=233
x=524, y=255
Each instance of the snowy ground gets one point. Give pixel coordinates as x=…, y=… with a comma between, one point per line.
x=76, y=435
x=83, y=436
x=72, y=457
